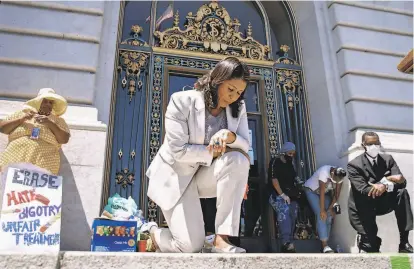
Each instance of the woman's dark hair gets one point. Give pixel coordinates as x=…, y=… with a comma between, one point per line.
x=339, y=172
x=229, y=68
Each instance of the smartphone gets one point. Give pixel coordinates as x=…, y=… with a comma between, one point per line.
x=337, y=209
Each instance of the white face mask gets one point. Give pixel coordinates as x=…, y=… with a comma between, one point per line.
x=373, y=150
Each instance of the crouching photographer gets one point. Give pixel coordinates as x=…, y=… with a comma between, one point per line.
x=322, y=191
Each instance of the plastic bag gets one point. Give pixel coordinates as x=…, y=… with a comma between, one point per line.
x=119, y=208
x=140, y=219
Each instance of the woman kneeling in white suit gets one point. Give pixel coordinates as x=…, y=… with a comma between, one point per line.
x=204, y=155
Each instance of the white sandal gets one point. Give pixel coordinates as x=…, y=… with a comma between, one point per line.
x=327, y=249
x=146, y=227
x=228, y=249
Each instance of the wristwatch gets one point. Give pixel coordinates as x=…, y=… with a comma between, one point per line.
x=390, y=187
x=388, y=184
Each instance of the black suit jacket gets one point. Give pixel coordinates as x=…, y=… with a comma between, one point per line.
x=360, y=172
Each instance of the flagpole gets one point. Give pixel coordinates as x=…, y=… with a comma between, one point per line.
x=152, y=22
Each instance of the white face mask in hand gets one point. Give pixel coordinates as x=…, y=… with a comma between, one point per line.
x=373, y=150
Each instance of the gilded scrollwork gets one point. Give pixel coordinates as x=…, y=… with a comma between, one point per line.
x=152, y=210
x=285, y=58
x=155, y=119
x=212, y=30
x=132, y=64
x=156, y=106
x=288, y=80
x=135, y=37
x=125, y=177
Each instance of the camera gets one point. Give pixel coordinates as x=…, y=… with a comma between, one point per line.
x=337, y=209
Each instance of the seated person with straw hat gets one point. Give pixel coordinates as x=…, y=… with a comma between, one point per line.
x=36, y=132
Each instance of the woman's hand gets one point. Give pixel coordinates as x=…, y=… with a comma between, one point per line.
x=27, y=115
x=43, y=119
x=216, y=154
x=323, y=215
x=219, y=141
x=229, y=136
x=8, y=126
x=216, y=146
x=61, y=136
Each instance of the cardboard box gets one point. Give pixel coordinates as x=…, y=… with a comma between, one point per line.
x=113, y=235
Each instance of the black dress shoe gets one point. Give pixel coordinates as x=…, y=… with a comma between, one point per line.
x=361, y=250
x=368, y=246
x=405, y=248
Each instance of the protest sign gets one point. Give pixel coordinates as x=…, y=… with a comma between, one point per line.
x=31, y=211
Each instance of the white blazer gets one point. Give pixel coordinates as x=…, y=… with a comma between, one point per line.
x=183, y=150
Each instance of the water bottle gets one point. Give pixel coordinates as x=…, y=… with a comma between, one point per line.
x=338, y=249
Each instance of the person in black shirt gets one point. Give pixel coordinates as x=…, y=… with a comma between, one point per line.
x=284, y=194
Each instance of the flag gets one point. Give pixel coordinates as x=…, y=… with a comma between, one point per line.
x=148, y=19
x=168, y=13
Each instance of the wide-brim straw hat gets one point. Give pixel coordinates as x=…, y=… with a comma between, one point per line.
x=59, y=103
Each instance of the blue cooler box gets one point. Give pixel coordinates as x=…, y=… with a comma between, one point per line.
x=114, y=235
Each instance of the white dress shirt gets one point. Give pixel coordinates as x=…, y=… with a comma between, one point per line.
x=371, y=160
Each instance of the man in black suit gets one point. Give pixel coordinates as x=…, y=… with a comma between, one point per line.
x=377, y=188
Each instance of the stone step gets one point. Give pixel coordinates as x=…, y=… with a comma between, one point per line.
x=260, y=245
x=122, y=260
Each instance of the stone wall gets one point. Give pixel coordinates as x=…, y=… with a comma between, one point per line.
x=351, y=51
x=62, y=45
x=370, y=39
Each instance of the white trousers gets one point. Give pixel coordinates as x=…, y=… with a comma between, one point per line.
x=225, y=179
